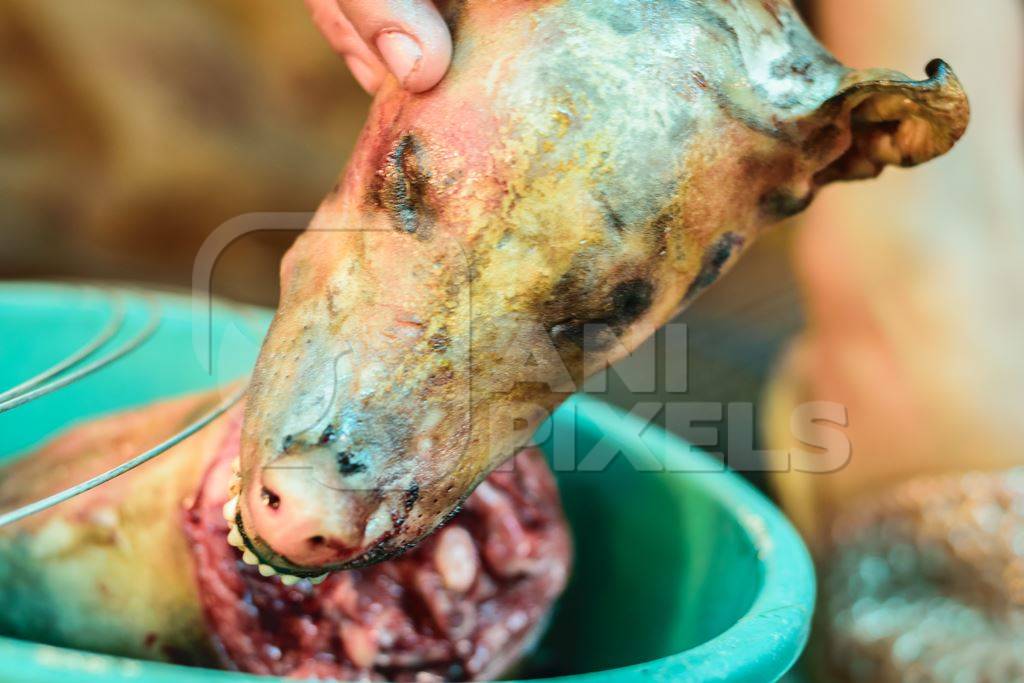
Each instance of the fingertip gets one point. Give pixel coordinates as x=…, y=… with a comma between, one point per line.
x=410, y=36
x=432, y=69
x=417, y=70
x=343, y=37
x=436, y=44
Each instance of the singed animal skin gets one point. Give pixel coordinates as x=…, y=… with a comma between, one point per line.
x=582, y=173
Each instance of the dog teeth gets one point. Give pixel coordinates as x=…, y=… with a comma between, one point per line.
x=235, y=537
x=230, y=509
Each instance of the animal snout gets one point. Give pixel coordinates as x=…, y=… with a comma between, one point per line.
x=306, y=522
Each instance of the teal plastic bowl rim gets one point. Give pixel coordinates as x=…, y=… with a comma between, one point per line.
x=761, y=646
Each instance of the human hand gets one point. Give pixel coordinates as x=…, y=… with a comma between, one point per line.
x=407, y=38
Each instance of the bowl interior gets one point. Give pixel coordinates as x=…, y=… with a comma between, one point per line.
x=191, y=348
x=681, y=570
x=660, y=567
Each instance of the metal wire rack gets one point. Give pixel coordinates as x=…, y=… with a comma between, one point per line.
x=108, y=346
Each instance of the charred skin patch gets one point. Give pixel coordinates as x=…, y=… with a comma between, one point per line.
x=658, y=231
x=779, y=198
x=412, y=494
x=714, y=260
x=613, y=219
x=400, y=188
x=573, y=332
x=779, y=204
x=439, y=341
x=630, y=300
x=348, y=465
x=624, y=305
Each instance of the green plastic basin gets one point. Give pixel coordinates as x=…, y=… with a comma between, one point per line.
x=685, y=574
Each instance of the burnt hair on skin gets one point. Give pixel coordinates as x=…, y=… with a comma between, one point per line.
x=348, y=465
x=401, y=186
x=714, y=260
x=781, y=204
x=627, y=302
x=412, y=494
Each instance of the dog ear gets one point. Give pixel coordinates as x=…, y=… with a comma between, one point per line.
x=880, y=118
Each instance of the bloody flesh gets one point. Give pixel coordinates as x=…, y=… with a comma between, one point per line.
x=462, y=605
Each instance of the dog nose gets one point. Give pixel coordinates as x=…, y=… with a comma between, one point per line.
x=307, y=523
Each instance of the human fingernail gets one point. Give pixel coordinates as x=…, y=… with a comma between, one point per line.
x=364, y=74
x=401, y=52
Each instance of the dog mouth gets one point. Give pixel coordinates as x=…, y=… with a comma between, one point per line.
x=270, y=563
x=440, y=606
x=257, y=553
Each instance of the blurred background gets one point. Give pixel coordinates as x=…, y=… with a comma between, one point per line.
x=129, y=131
